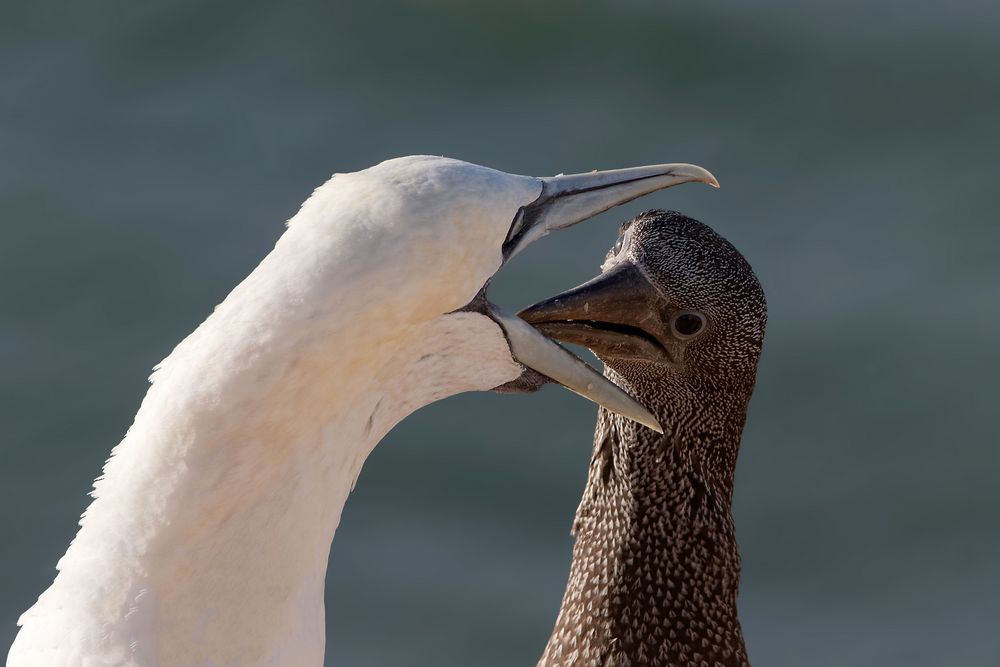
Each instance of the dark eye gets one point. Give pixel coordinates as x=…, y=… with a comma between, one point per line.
x=687, y=323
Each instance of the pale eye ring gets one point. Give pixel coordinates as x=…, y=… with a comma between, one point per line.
x=687, y=324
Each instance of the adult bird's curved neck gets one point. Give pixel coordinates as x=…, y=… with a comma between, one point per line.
x=655, y=567
x=210, y=531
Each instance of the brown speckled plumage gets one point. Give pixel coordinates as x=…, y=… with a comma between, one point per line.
x=656, y=568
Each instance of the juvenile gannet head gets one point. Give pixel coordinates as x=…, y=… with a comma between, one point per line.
x=433, y=231
x=674, y=301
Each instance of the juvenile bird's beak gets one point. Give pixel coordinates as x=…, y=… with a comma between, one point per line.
x=564, y=202
x=615, y=315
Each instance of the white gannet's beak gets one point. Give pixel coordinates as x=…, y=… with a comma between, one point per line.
x=568, y=200
x=564, y=202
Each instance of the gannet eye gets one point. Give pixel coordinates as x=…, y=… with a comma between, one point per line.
x=687, y=323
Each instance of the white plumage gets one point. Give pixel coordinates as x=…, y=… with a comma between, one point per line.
x=207, y=539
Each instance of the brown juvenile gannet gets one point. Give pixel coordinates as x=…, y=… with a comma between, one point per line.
x=677, y=316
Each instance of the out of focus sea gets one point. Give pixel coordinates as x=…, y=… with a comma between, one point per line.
x=150, y=152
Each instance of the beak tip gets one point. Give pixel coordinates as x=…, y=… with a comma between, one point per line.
x=652, y=423
x=692, y=172
x=707, y=177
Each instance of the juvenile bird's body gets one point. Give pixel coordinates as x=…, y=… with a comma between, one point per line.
x=655, y=570
x=207, y=539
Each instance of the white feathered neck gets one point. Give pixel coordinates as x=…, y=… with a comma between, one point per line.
x=208, y=538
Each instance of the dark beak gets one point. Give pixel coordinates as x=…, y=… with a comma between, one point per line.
x=618, y=314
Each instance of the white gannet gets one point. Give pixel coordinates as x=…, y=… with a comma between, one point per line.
x=678, y=318
x=207, y=539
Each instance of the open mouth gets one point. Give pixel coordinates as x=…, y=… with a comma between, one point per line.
x=607, y=339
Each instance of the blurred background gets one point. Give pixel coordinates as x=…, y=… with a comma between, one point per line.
x=150, y=153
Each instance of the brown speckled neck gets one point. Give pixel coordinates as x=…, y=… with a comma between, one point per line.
x=655, y=567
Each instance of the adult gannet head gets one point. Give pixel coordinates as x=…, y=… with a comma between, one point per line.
x=423, y=236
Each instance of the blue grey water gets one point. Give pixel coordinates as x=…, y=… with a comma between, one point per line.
x=150, y=152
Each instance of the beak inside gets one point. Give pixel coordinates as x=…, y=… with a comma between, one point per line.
x=534, y=350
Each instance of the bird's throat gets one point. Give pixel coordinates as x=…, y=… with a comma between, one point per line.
x=655, y=566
